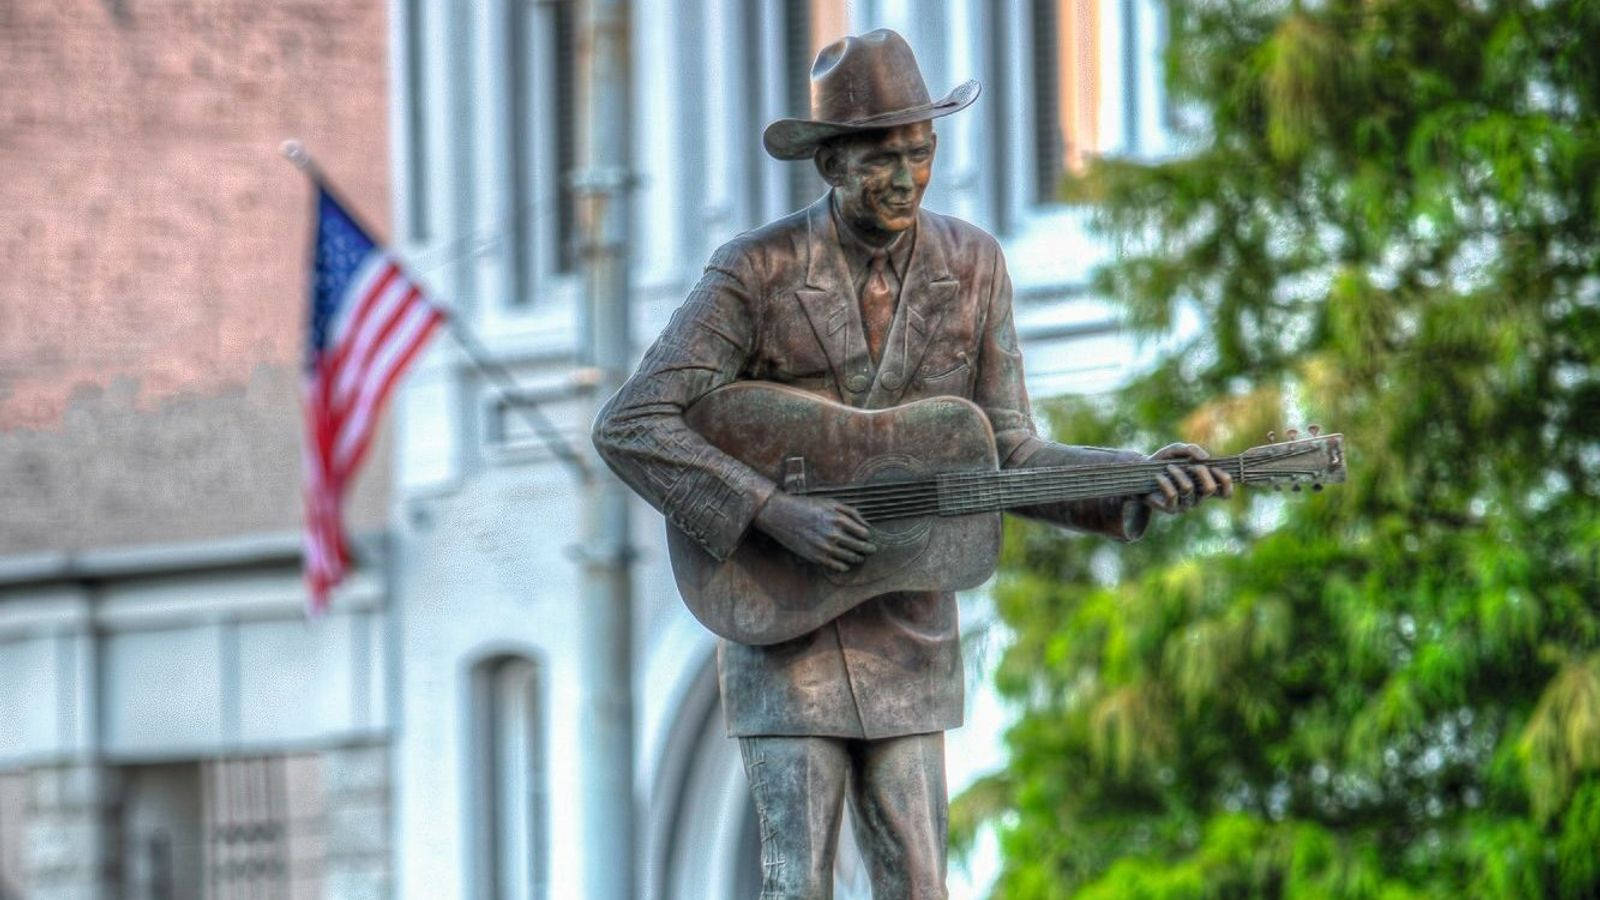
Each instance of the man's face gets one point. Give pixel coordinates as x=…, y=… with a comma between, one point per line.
x=879, y=176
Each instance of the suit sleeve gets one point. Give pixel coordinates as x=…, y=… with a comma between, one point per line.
x=640, y=433
x=1002, y=394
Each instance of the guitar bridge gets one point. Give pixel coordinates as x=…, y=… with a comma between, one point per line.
x=794, y=475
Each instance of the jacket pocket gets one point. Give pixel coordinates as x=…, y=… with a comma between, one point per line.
x=953, y=380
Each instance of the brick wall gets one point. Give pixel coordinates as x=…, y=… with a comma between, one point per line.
x=152, y=248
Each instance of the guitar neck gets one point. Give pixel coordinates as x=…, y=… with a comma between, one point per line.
x=994, y=491
x=959, y=494
x=965, y=493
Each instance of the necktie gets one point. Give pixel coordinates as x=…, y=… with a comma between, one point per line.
x=877, y=304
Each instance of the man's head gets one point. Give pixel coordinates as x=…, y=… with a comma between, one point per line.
x=879, y=176
x=868, y=104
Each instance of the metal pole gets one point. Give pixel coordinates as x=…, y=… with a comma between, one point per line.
x=601, y=189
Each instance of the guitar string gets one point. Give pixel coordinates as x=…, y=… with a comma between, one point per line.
x=930, y=507
x=1076, y=471
x=955, y=500
x=1049, y=493
x=1012, y=479
x=1010, y=474
x=1006, y=478
x=1090, y=488
x=964, y=505
x=952, y=486
x=1106, y=484
x=961, y=502
x=1096, y=482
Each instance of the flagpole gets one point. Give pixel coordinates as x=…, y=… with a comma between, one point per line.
x=500, y=379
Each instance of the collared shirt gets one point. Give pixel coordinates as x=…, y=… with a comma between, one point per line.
x=858, y=252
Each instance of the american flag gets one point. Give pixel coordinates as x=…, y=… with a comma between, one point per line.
x=368, y=321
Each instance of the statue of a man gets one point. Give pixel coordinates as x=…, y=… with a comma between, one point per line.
x=867, y=299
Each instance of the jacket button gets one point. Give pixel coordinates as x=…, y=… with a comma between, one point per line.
x=891, y=380
x=856, y=383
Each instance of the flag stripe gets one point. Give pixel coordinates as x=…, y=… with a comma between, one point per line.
x=367, y=336
x=378, y=289
x=378, y=269
x=360, y=450
x=347, y=385
x=375, y=387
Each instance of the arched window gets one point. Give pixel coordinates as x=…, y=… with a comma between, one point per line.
x=508, y=836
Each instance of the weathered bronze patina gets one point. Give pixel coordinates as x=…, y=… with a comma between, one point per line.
x=868, y=300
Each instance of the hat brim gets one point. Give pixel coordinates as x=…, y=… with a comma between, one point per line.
x=798, y=138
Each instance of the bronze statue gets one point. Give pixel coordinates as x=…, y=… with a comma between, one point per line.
x=868, y=300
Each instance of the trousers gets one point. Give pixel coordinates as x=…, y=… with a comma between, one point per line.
x=898, y=806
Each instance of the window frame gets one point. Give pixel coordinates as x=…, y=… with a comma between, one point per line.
x=487, y=691
x=1048, y=240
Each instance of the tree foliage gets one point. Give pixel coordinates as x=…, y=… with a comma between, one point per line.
x=1391, y=226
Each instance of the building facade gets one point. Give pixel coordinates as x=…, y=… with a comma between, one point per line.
x=170, y=725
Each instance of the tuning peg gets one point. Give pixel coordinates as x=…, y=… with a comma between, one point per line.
x=1272, y=437
x=1314, y=429
x=1294, y=434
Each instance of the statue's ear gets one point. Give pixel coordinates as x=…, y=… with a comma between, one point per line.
x=830, y=164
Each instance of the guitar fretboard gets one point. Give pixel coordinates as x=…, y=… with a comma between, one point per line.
x=964, y=493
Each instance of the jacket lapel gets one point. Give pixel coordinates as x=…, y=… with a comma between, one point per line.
x=829, y=302
x=924, y=297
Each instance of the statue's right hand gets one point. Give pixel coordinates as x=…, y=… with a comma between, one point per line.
x=826, y=532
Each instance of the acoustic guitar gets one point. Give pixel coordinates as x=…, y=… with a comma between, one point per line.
x=924, y=476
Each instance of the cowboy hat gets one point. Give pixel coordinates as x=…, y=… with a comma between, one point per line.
x=859, y=83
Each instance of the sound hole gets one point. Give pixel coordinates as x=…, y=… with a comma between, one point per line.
x=893, y=467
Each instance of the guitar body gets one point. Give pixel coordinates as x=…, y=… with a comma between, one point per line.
x=762, y=593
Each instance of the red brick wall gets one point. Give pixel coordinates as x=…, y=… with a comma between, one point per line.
x=152, y=255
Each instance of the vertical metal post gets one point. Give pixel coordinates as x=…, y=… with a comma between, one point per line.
x=601, y=190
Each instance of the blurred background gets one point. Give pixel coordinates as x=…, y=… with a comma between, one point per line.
x=1220, y=218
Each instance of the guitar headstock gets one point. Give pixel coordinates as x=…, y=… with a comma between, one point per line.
x=1315, y=459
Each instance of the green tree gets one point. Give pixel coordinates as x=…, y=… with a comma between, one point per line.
x=1391, y=225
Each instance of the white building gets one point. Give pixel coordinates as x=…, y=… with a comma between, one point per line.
x=170, y=727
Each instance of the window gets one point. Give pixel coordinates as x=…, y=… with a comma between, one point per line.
x=264, y=826
x=542, y=80
x=1131, y=75
x=508, y=781
x=1066, y=89
x=741, y=65
x=521, y=236
x=416, y=131
x=563, y=83
x=245, y=828
x=997, y=115
x=803, y=39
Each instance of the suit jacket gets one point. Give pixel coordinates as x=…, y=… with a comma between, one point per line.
x=777, y=304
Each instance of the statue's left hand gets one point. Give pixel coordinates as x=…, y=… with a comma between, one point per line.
x=1186, y=480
